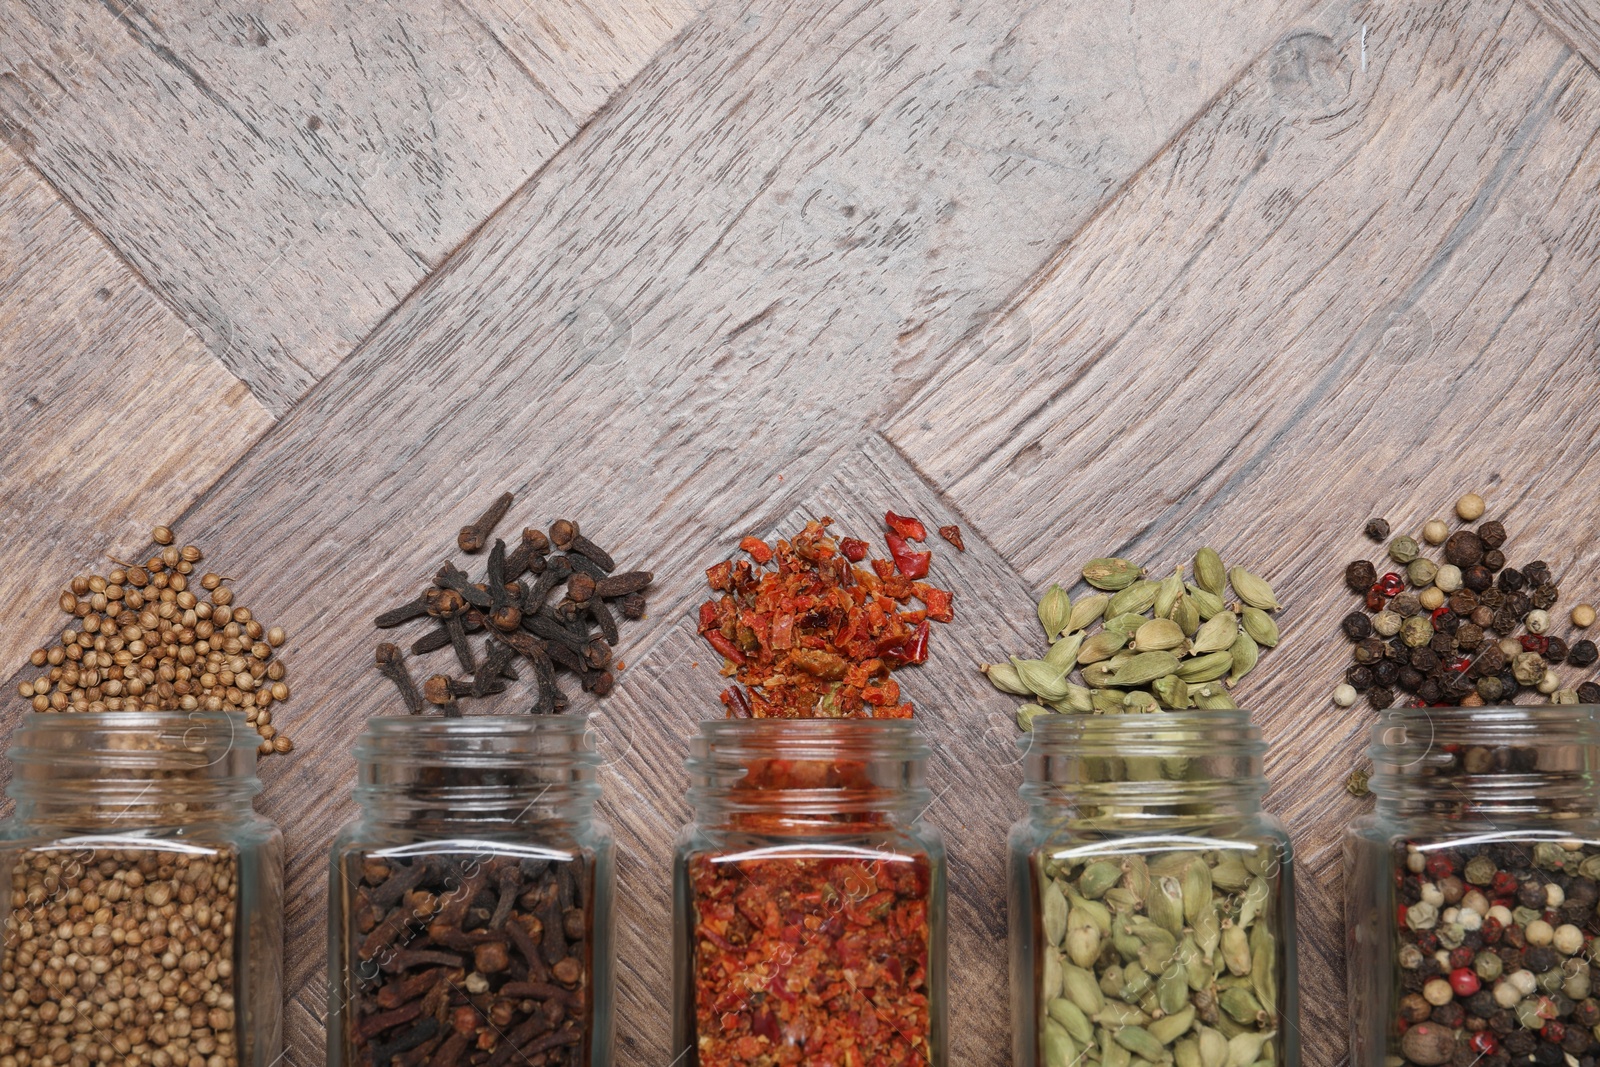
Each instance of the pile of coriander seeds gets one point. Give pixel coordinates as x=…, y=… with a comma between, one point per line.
x=1467, y=628
x=144, y=639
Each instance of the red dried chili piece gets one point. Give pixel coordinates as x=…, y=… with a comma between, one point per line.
x=853, y=550
x=905, y=526
x=911, y=564
x=728, y=649
x=952, y=533
x=938, y=602
x=759, y=550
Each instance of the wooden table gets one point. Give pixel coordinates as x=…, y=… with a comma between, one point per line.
x=314, y=281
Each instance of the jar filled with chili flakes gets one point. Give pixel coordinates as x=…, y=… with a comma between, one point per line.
x=1472, y=890
x=809, y=898
x=1152, y=901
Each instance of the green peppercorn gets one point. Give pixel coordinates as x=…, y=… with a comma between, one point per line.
x=1403, y=549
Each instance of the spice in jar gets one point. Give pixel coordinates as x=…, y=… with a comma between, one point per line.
x=1167, y=644
x=143, y=639
x=1166, y=956
x=469, y=957
x=136, y=943
x=806, y=633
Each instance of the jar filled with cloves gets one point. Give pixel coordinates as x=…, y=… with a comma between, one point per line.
x=146, y=909
x=1472, y=890
x=809, y=898
x=470, y=905
x=1151, y=899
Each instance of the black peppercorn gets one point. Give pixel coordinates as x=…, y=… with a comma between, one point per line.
x=1589, y=693
x=1540, y=958
x=1482, y=1004
x=1477, y=578
x=1492, y=661
x=1494, y=559
x=1490, y=597
x=1369, y=650
x=1425, y=660
x=1489, y=689
x=1503, y=1021
x=1463, y=602
x=1456, y=685
x=1544, y=596
x=1430, y=691
x=1386, y=672
x=1359, y=678
x=1399, y=651
x=1406, y=605
x=1555, y=650
x=1469, y=637
x=1576, y=1041
x=1360, y=576
x=1583, y=653
x=1520, y=1042
x=1587, y=1012
x=1548, y=1055
x=1463, y=549
x=1492, y=533
x=1444, y=644
x=1482, y=617
x=1519, y=603
x=1447, y=622
x=1506, y=619
x=1356, y=625
x=1451, y=1015
x=1410, y=679
x=1378, y=529
x=1510, y=580
x=1380, y=696
x=1538, y=573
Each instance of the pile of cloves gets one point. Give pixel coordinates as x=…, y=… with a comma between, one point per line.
x=509, y=605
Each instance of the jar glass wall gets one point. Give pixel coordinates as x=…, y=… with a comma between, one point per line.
x=809, y=904
x=1472, y=888
x=1152, y=901
x=146, y=916
x=470, y=907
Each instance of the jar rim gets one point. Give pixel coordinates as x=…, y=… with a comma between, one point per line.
x=477, y=741
x=833, y=738
x=1177, y=732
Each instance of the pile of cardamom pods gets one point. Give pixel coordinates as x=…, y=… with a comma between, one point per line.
x=1169, y=958
x=1160, y=645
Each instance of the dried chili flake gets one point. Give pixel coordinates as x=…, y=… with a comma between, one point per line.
x=909, y=528
x=759, y=550
x=811, y=635
x=952, y=534
x=819, y=960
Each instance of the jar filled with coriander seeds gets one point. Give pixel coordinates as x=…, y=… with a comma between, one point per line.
x=1472, y=888
x=1151, y=899
x=146, y=915
x=470, y=905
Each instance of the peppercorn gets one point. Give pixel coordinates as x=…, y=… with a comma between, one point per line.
x=1510, y=580
x=1385, y=673
x=1360, y=576
x=1410, y=679
x=1356, y=626
x=1491, y=660
x=1538, y=573
x=1368, y=651
x=1443, y=644
x=1386, y=623
x=1406, y=605
x=1424, y=659
x=1545, y=596
x=1359, y=678
x=1414, y=1008
x=1477, y=578
x=1470, y=507
x=1380, y=697
x=1403, y=549
x=1422, y=572
x=1430, y=691
x=1589, y=693
x=1398, y=651
x=1417, y=631
x=1463, y=549
x=1493, y=559
x=1583, y=653
x=1378, y=529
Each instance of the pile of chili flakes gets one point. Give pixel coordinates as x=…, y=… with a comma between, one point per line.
x=816, y=636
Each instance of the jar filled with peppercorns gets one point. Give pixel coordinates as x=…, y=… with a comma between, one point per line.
x=1151, y=899
x=809, y=912
x=1471, y=890
x=146, y=915
x=470, y=905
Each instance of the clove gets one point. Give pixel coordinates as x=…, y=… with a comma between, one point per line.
x=472, y=538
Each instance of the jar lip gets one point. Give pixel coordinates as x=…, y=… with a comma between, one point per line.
x=1069, y=734
x=475, y=725
x=1402, y=727
x=832, y=738
x=138, y=739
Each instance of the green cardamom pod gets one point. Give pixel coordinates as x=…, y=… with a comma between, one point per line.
x=1098, y=877
x=1229, y=875
x=1064, y=653
x=1055, y=608
x=1176, y=1023
x=1141, y=1042
x=1166, y=904
x=1263, y=968
x=1209, y=573
x=1197, y=970
x=1111, y=1053
x=1121, y=900
x=1106, y=701
x=1124, y=942
x=1186, y=1053
x=1236, y=950
x=1026, y=713
x=1187, y=615
x=1259, y=625
x=1072, y=1019
x=1092, y=911
x=1242, y=1006
x=1167, y=595
x=1207, y=602
x=1136, y=982
x=1082, y=990
x=1102, y=646
x=1245, y=653
x=1137, y=878
x=1126, y=624
x=1196, y=889
x=1099, y=676
x=1004, y=677
x=1056, y=1045
x=1207, y=935
x=1086, y=610
x=1157, y=635
x=1172, y=993
x=1216, y=634
x=1172, y=691
x=1135, y=599
x=1053, y=913
x=1253, y=590
x=1077, y=700
x=1207, y=668
x=1211, y=698
x=1051, y=978
x=1082, y=940
x=1110, y=573
x=1144, y=668
x=1246, y=1048
x=1043, y=680
x=1214, y=1051
x=1254, y=901
x=1120, y=1013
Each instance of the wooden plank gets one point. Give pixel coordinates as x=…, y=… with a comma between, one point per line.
x=1291, y=322
x=283, y=174
x=106, y=400
x=1578, y=22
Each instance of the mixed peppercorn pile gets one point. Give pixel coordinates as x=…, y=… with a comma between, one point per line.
x=816, y=636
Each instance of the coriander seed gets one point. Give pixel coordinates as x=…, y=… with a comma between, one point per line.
x=1470, y=507
x=161, y=535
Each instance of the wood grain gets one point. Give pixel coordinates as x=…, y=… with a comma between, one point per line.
x=1578, y=22
x=106, y=400
x=284, y=174
x=1294, y=320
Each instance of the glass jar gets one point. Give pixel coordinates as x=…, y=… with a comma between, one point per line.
x=146, y=921
x=1471, y=889
x=809, y=898
x=1152, y=901
x=470, y=905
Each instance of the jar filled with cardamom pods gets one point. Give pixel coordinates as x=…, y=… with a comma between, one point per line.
x=469, y=907
x=146, y=906
x=1152, y=900
x=1471, y=890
